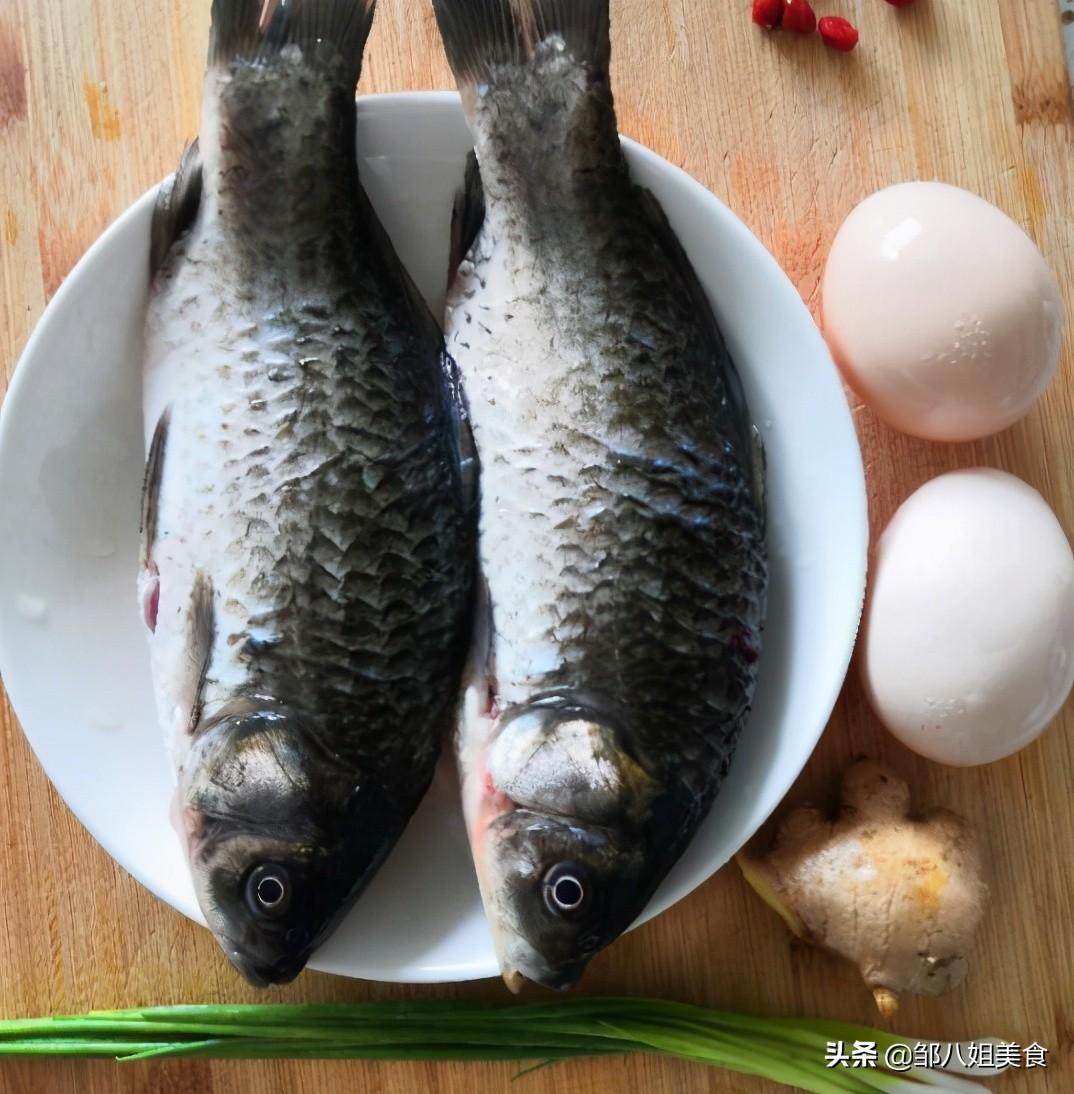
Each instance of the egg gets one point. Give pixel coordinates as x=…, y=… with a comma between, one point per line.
x=940, y=312
x=967, y=648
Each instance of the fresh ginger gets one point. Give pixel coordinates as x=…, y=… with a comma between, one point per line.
x=899, y=895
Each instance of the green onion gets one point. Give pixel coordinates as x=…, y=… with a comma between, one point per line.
x=787, y=1050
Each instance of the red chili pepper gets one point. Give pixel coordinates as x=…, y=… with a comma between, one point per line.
x=838, y=33
x=900, y=3
x=799, y=17
x=768, y=13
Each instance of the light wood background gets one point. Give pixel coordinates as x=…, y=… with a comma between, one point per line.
x=96, y=100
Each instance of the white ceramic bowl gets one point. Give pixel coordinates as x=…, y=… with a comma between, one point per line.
x=74, y=655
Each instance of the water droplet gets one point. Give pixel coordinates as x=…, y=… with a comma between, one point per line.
x=32, y=608
x=100, y=547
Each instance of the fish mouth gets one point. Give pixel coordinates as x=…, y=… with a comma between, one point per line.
x=514, y=980
x=264, y=974
x=521, y=963
x=561, y=979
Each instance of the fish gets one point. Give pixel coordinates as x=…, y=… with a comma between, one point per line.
x=308, y=513
x=622, y=547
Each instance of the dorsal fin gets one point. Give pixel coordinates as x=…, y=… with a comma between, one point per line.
x=176, y=208
x=467, y=216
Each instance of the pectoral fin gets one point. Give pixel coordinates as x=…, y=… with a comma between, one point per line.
x=198, y=648
x=154, y=469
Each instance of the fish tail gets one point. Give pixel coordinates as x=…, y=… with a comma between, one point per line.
x=326, y=32
x=533, y=76
x=278, y=105
x=486, y=39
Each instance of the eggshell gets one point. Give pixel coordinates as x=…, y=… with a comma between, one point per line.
x=941, y=312
x=968, y=642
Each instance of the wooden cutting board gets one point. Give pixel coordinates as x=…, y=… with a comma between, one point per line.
x=96, y=100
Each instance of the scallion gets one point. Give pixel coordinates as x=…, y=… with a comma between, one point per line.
x=787, y=1050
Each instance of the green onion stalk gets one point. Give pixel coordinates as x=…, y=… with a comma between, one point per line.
x=793, y=1051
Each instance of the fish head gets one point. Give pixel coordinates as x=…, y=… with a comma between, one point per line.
x=279, y=842
x=557, y=841
x=557, y=892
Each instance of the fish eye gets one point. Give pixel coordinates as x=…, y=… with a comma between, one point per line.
x=564, y=889
x=268, y=889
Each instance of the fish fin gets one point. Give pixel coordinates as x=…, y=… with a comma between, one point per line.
x=760, y=473
x=481, y=36
x=582, y=24
x=235, y=30
x=201, y=630
x=154, y=469
x=750, y=445
x=259, y=32
x=478, y=693
x=467, y=216
x=176, y=207
x=464, y=434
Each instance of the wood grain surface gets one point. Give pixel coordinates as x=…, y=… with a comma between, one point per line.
x=96, y=100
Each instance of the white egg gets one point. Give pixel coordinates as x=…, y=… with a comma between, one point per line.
x=967, y=649
x=941, y=312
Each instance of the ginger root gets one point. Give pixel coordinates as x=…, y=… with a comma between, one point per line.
x=900, y=896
